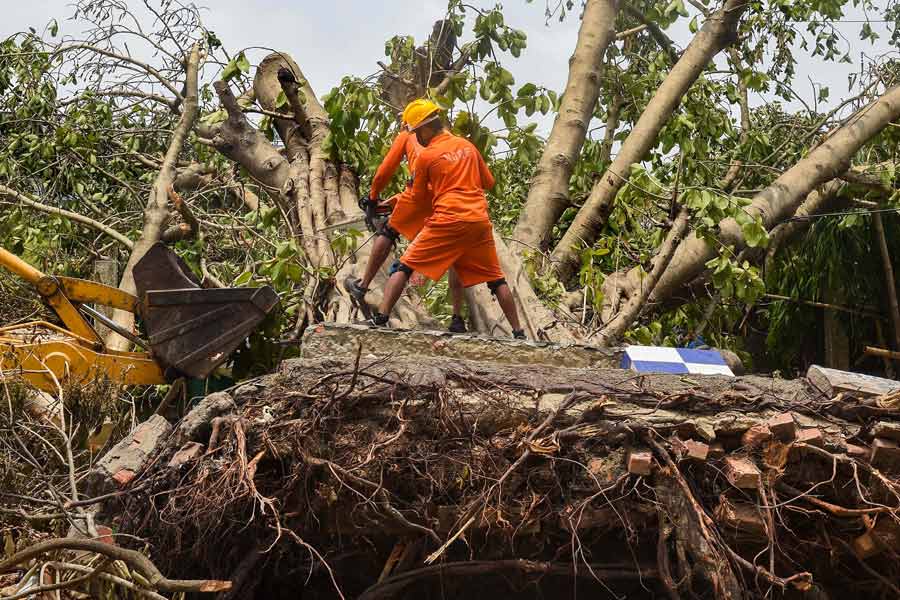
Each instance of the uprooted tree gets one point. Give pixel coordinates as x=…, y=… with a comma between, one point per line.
x=664, y=207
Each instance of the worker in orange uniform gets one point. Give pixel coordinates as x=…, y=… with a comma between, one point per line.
x=459, y=233
x=407, y=219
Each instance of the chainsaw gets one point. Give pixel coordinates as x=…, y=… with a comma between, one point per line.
x=375, y=215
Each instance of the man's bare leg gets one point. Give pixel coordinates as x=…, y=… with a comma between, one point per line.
x=457, y=292
x=508, y=304
x=381, y=249
x=395, y=286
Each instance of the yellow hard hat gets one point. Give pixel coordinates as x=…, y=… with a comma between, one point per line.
x=418, y=112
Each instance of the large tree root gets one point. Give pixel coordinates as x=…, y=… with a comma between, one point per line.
x=347, y=474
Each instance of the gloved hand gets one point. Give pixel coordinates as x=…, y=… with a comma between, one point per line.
x=365, y=202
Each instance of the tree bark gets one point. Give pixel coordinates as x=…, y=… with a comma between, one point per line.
x=780, y=200
x=548, y=196
x=719, y=31
x=156, y=212
x=890, y=283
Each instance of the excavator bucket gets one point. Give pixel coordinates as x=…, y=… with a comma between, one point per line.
x=191, y=329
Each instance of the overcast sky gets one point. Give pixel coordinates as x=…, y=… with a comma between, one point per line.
x=346, y=37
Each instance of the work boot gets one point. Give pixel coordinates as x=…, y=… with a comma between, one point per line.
x=377, y=320
x=519, y=334
x=457, y=325
x=355, y=289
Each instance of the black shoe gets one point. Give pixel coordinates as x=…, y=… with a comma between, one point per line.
x=457, y=325
x=355, y=289
x=377, y=320
x=519, y=334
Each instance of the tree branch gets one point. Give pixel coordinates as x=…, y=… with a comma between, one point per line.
x=24, y=199
x=127, y=59
x=132, y=558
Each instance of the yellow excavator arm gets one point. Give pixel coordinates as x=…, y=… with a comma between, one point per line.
x=46, y=355
x=191, y=330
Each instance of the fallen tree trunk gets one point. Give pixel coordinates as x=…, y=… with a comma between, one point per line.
x=548, y=196
x=780, y=200
x=719, y=31
x=156, y=212
x=369, y=464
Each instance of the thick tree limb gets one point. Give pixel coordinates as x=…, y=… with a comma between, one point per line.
x=719, y=31
x=156, y=211
x=30, y=202
x=548, y=196
x=780, y=199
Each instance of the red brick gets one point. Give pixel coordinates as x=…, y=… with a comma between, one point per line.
x=716, y=451
x=756, y=436
x=696, y=450
x=885, y=454
x=189, y=452
x=689, y=449
x=812, y=436
x=640, y=463
x=860, y=452
x=783, y=426
x=123, y=477
x=105, y=535
x=742, y=473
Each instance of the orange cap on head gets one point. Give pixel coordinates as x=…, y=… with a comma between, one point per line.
x=418, y=112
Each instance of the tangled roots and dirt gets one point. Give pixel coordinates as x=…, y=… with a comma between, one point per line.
x=442, y=478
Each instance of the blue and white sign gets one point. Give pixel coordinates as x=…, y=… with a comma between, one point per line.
x=656, y=359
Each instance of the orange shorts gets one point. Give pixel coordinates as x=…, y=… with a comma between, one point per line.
x=466, y=246
x=407, y=218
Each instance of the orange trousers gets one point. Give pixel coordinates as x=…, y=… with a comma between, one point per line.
x=466, y=246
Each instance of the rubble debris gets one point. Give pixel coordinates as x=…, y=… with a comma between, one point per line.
x=832, y=381
x=742, y=473
x=475, y=461
x=811, y=436
x=886, y=430
x=690, y=449
x=783, y=426
x=858, y=452
x=190, y=452
x=756, y=436
x=640, y=462
x=742, y=517
x=119, y=466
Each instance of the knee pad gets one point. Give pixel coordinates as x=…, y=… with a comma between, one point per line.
x=389, y=232
x=404, y=269
x=495, y=285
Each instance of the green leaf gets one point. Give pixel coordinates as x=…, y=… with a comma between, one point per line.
x=239, y=64
x=693, y=26
x=243, y=279
x=755, y=234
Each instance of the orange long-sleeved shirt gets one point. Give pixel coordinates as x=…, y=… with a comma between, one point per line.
x=405, y=145
x=456, y=174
